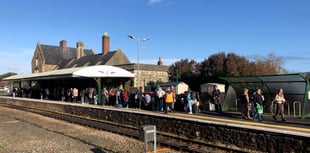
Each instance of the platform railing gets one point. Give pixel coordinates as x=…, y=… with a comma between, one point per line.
x=288, y=109
x=236, y=105
x=297, y=103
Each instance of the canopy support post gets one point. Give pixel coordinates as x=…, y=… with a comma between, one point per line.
x=99, y=90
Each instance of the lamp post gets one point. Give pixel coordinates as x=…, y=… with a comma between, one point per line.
x=177, y=80
x=138, y=55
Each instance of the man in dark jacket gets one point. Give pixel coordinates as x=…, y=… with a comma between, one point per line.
x=216, y=93
x=139, y=97
x=258, y=104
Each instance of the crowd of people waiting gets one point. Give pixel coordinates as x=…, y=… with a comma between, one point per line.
x=163, y=99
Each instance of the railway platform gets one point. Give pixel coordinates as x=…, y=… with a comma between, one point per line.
x=226, y=131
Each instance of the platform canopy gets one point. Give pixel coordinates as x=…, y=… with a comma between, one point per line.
x=98, y=71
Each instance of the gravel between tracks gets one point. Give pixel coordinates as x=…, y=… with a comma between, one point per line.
x=24, y=132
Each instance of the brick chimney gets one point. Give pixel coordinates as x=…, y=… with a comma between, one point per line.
x=63, y=45
x=79, y=49
x=105, y=43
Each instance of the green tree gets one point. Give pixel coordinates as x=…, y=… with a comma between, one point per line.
x=237, y=65
x=184, y=67
x=7, y=75
x=223, y=65
x=213, y=67
x=270, y=65
x=188, y=72
x=217, y=64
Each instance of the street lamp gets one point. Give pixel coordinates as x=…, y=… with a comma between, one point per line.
x=138, y=55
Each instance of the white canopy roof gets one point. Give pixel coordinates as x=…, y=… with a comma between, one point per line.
x=103, y=71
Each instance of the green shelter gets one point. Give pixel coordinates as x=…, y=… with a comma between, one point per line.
x=295, y=86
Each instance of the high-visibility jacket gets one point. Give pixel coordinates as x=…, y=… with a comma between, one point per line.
x=169, y=97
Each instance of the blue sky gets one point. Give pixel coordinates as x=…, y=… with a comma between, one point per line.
x=177, y=29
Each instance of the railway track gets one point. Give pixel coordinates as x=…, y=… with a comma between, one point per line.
x=172, y=141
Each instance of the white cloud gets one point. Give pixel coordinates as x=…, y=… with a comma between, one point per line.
x=167, y=2
x=152, y=2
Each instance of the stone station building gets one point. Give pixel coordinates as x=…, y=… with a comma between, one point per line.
x=48, y=58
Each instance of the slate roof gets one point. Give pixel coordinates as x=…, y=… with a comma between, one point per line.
x=67, y=59
x=53, y=55
x=97, y=59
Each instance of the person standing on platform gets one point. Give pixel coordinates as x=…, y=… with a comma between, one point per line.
x=69, y=95
x=14, y=93
x=82, y=95
x=280, y=101
x=91, y=95
x=87, y=90
x=117, y=97
x=75, y=94
x=190, y=102
x=112, y=97
x=245, y=102
x=105, y=96
x=216, y=93
x=169, y=100
x=47, y=93
x=125, y=98
x=258, y=105
x=147, y=98
x=174, y=95
x=138, y=97
x=160, y=95
x=63, y=97
x=197, y=102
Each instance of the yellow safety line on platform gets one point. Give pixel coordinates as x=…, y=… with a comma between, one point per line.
x=241, y=122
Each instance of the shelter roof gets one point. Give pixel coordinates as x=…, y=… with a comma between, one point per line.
x=90, y=71
x=290, y=83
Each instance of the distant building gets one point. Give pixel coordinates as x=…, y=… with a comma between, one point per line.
x=4, y=83
x=209, y=87
x=206, y=94
x=180, y=87
x=47, y=58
